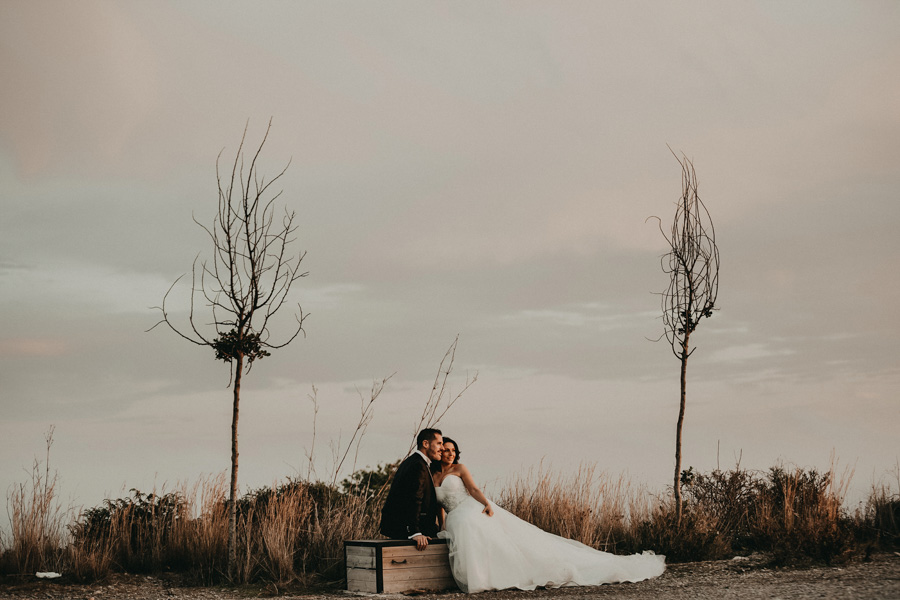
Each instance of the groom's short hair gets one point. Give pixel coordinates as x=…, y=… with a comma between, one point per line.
x=426, y=435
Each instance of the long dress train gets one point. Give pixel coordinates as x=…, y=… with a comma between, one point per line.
x=503, y=551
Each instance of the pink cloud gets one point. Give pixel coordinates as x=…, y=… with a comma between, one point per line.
x=32, y=347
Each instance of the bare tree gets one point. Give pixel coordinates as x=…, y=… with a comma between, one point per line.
x=693, y=268
x=441, y=397
x=245, y=284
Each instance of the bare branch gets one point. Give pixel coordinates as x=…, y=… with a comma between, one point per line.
x=366, y=409
x=311, y=453
x=165, y=319
x=692, y=265
x=440, y=394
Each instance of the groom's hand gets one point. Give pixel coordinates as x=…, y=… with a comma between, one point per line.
x=421, y=542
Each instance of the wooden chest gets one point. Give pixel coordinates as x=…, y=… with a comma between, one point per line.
x=396, y=566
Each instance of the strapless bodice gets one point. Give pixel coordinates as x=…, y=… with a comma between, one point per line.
x=451, y=492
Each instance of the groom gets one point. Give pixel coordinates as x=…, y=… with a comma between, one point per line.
x=411, y=508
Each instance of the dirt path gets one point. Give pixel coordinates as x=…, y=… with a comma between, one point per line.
x=715, y=580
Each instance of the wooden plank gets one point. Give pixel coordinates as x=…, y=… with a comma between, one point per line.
x=419, y=574
x=406, y=552
x=360, y=561
x=391, y=543
x=431, y=549
x=414, y=557
x=360, y=583
x=361, y=580
x=360, y=574
x=437, y=586
x=430, y=584
x=407, y=562
x=360, y=557
x=393, y=586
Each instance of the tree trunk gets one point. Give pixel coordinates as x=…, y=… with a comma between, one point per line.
x=678, y=502
x=232, y=503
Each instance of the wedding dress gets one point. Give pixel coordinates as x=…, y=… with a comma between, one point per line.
x=503, y=551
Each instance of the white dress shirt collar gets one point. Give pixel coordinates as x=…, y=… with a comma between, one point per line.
x=427, y=460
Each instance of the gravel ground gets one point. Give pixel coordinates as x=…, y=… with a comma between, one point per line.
x=728, y=579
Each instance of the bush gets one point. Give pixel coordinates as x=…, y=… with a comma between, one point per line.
x=794, y=515
x=182, y=531
x=290, y=533
x=801, y=517
x=141, y=526
x=698, y=536
x=882, y=518
x=294, y=532
x=368, y=482
x=730, y=499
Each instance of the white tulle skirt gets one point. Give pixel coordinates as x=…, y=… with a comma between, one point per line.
x=503, y=551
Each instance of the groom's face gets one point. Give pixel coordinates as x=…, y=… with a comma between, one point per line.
x=433, y=448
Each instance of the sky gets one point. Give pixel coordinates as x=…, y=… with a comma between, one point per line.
x=479, y=169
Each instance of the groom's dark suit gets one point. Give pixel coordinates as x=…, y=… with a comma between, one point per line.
x=411, y=505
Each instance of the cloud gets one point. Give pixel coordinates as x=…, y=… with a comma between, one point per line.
x=329, y=296
x=747, y=352
x=32, y=347
x=102, y=288
x=594, y=317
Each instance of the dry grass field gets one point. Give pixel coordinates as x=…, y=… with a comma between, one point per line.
x=292, y=535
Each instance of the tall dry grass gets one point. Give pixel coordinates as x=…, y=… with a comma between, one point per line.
x=881, y=514
x=178, y=530
x=38, y=535
x=294, y=532
x=291, y=533
x=792, y=514
x=803, y=515
x=589, y=506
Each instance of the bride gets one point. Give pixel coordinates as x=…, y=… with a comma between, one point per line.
x=492, y=549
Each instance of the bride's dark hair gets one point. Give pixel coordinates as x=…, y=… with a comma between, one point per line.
x=456, y=447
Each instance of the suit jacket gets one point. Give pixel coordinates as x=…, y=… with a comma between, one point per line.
x=411, y=504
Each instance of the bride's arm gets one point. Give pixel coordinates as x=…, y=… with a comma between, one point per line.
x=473, y=489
